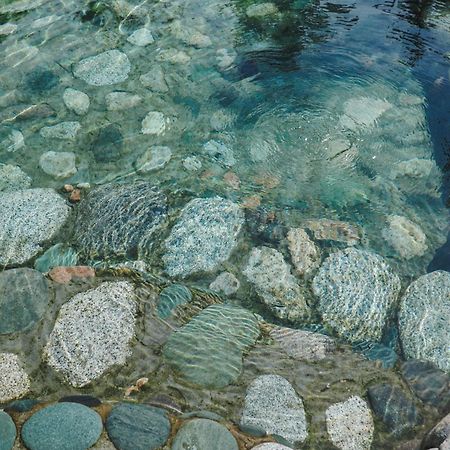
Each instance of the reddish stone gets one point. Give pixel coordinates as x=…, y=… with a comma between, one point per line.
x=68, y=188
x=251, y=202
x=65, y=275
x=75, y=196
x=232, y=180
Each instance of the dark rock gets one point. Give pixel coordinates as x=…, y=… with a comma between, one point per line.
x=7, y=432
x=377, y=352
x=137, y=427
x=22, y=405
x=264, y=226
x=394, y=408
x=202, y=415
x=86, y=400
x=438, y=434
x=107, y=147
x=253, y=430
x=40, y=81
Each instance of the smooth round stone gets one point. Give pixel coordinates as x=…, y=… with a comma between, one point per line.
x=117, y=101
x=107, y=68
x=14, y=381
x=24, y=297
x=13, y=178
x=86, y=400
x=57, y=256
x=58, y=164
x=204, y=434
x=153, y=159
x=141, y=37
x=137, y=427
x=76, y=101
x=172, y=296
x=154, y=123
x=7, y=432
x=62, y=426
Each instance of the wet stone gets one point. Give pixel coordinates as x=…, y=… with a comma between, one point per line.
x=375, y=351
x=271, y=446
x=59, y=255
x=7, y=432
x=93, y=332
x=172, y=296
x=350, y=424
x=28, y=218
x=137, y=427
x=192, y=163
x=204, y=236
x=62, y=426
x=423, y=319
x=13, y=178
x=225, y=283
x=220, y=152
x=271, y=275
x=104, y=69
x=58, y=164
x=363, y=112
x=63, y=130
x=393, y=408
x=260, y=10
x=40, y=81
x=202, y=414
x=141, y=37
x=153, y=159
x=119, y=220
x=438, y=434
x=357, y=291
x=272, y=404
x=154, y=80
x=204, y=434
x=24, y=297
x=76, y=101
x=304, y=252
x=333, y=230
x=208, y=350
x=7, y=28
x=107, y=146
x=14, y=381
x=154, y=123
x=117, y=101
x=86, y=400
x=22, y=405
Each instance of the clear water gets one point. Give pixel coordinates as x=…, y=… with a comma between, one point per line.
x=281, y=91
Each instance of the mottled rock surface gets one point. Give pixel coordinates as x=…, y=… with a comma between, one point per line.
x=141, y=37
x=56, y=256
x=63, y=130
x=154, y=123
x=438, y=434
x=14, y=381
x=76, y=101
x=304, y=252
x=172, y=296
x=107, y=146
x=225, y=283
x=13, y=178
x=333, y=230
x=7, y=431
x=153, y=159
x=58, y=164
x=117, y=101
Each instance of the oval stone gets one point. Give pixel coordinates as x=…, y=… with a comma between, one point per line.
x=62, y=426
x=7, y=431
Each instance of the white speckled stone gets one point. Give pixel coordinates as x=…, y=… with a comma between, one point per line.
x=154, y=123
x=141, y=37
x=63, y=130
x=192, y=163
x=76, y=101
x=93, y=332
x=304, y=252
x=14, y=381
x=13, y=178
x=58, y=164
x=225, y=283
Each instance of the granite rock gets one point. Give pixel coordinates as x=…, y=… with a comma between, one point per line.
x=13, y=178
x=76, y=101
x=154, y=79
x=118, y=101
x=334, y=230
x=58, y=164
x=63, y=130
x=14, y=381
x=305, y=254
x=225, y=283
x=141, y=37
x=154, y=123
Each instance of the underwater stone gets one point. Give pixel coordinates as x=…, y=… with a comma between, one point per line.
x=86, y=400
x=154, y=79
x=271, y=275
x=204, y=434
x=261, y=10
x=192, y=163
x=7, y=28
x=120, y=220
x=172, y=296
x=57, y=256
x=153, y=159
x=154, y=123
x=141, y=37
x=208, y=350
x=304, y=252
x=350, y=424
x=14, y=141
x=58, y=164
x=357, y=291
x=271, y=446
x=28, y=218
x=40, y=80
x=406, y=237
x=14, y=381
x=13, y=178
x=272, y=404
x=225, y=283
x=76, y=101
x=219, y=151
x=363, y=112
x=423, y=319
x=104, y=69
x=438, y=435
x=107, y=146
x=333, y=230
x=204, y=236
x=117, y=101
x=137, y=427
x=7, y=432
x=393, y=408
x=413, y=168
x=62, y=426
x=93, y=332
x=63, y=130
x=375, y=351
x=24, y=297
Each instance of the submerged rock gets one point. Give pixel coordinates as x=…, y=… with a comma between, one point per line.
x=154, y=123
x=153, y=159
x=76, y=101
x=56, y=256
x=363, y=112
x=219, y=151
x=261, y=10
x=7, y=428
x=171, y=297
x=58, y=164
x=333, y=230
x=204, y=236
x=28, y=218
x=14, y=381
x=423, y=319
x=93, y=332
x=225, y=283
x=13, y=178
x=357, y=292
x=141, y=37
x=208, y=350
x=274, y=283
x=117, y=101
x=438, y=435
x=154, y=79
x=272, y=404
x=63, y=130
x=304, y=252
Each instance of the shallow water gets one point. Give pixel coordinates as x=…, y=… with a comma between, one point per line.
x=315, y=110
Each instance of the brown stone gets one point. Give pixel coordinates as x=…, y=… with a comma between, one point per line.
x=65, y=275
x=333, y=230
x=68, y=188
x=75, y=196
x=251, y=202
x=232, y=180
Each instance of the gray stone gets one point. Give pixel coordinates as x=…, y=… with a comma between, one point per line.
x=107, y=146
x=24, y=297
x=204, y=236
x=154, y=123
x=56, y=256
x=271, y=446
x=423, y=319
x=363, y=112
x=120, y=220
x=272, y=404
x=7, y=28
x=93, y=332
x=219, y=151
x=117, y=101
x=7, y=432
x=153, y=159
x=154, y=79
x=225, y=283
x=76, y=101
x=357, y=292
x=350, y=424
x=438, y=434
x=413, y=168
x=141, y=37
x=208, y=350
x=58, y=164
x=304, y=345
x=14, y=142
x=104, y=69
x=63, y=130
x=14, y=381
x=333, y=230
x=304, y=252
x=62, y=426
x=271, y=275
x=13, y=178
x=171, y=297
x=192, y=163
x=137, y=427
x=204, y=434
x=260, y=10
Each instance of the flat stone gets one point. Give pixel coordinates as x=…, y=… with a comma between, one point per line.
x=154, y=79
x=27, y=404
x=154, y=123
x=260, y=10
x=62, y=426
x=438, y=434
x=272, y=404
x=333, y=230
x=153, y=159
x=104, y=69
x=271, y=276
x=204, y=236
x=120, y=220
x=304, y=252
x=118, y=101
x=171, y=297
x=422, y=319
x=58, y=164
x=208, y=350
x=63, y=130
x=357, y=291
x=7, y=432
x=76, y=101
x=304, y=345
x=204, y=434
x=350, y=424
x=107, y=146
x=13, y=178
x=57, y=256
x=393, y=408
x=221, y=152
x=14, y=381
x=141, y=37
x=93, y=332
x=28, y=219
x=137, y=427
x=225, y=283
x=363, y=111
x=65, y=275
